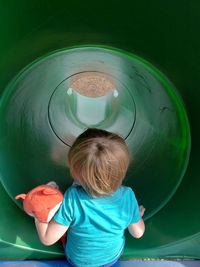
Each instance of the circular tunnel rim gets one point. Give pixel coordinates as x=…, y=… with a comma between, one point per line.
x=150, y=67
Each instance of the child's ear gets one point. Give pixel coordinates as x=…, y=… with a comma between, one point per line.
x=49, y=191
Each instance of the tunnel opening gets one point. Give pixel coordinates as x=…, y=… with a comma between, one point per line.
x=43, y=110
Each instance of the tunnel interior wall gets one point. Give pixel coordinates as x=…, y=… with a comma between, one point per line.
x=165, y=34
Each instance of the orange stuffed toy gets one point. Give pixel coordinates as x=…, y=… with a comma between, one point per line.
x=42, y=202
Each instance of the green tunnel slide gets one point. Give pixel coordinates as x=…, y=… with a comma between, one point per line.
x=151, y=50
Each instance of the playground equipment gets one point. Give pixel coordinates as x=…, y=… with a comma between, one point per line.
x=50, y=55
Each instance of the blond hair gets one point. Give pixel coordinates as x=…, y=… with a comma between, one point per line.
x=99, y=160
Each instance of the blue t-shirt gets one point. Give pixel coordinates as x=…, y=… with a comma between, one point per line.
x=96, y=225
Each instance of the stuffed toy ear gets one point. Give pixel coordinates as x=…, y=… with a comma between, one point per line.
x=49, y=191
x=21, y=196
x=53, y=185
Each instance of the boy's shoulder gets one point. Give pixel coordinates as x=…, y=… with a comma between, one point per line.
x=73, y=190
x=128, y=192
x=127, y=189
x=129, y=196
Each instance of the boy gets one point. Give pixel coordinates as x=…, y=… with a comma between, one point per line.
x=96, y=209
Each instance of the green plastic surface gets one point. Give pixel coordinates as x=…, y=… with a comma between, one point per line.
x=42, y=46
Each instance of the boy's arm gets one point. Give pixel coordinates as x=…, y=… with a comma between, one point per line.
x=137, y=229
x=50, y=233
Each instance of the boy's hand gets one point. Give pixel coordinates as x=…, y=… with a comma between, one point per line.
x=142, y=210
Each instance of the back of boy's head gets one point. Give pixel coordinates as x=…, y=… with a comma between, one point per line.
x=99, y=160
